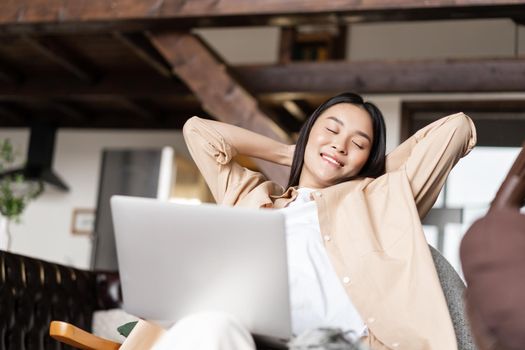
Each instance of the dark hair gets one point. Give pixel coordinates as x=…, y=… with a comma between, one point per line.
x=374, y=166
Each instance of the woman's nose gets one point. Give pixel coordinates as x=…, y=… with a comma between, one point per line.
x=339, y=148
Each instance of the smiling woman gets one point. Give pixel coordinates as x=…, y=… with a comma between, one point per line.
x=338, y=146
x=357, y=254
x=344, y=131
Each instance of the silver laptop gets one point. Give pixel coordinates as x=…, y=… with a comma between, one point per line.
x=177, y=259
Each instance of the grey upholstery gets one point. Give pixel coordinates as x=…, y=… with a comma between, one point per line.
x=453, y=288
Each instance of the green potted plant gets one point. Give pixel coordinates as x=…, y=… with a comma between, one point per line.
x=15, y=193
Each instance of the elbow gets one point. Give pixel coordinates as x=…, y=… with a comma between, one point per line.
x=464, y=131
x=189, y=125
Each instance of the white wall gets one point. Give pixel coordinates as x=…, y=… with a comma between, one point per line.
x=433, y=40
x=390, y=106
x=244, y=44
x=392, y=40
x=45, y=230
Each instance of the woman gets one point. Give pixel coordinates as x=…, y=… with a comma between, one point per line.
x=358, y=259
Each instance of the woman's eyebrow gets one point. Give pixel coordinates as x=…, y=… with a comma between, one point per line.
x=337, y=120
x=359, y=132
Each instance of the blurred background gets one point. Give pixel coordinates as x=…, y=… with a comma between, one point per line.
x=96, y=96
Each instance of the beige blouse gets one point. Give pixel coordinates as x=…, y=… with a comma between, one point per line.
x=371, y=227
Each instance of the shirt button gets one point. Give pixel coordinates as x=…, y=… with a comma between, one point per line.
x=395, y=345
x=371, y=320
x=346, y=280
x=327, y=238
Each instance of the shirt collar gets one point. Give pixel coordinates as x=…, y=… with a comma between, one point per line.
x=284, y=199
x=291, y=192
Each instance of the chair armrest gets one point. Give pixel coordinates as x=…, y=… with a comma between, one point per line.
x=76, y=337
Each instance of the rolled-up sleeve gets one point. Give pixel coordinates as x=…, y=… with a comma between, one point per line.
x=213, y=154
x=430, y=154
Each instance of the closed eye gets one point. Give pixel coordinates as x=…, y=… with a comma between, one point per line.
x=332, y=131
x=358, y=145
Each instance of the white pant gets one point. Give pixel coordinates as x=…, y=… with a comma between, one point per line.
x=207, y=331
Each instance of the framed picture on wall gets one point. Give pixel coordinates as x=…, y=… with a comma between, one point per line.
x=83, y=221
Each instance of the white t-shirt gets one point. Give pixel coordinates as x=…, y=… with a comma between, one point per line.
x=317, y=297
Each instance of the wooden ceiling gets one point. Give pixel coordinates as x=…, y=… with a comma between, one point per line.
x=135, y=15
x=104, y=64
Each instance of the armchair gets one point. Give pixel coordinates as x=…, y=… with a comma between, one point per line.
x=453, y=288
x=78, y=338
x=33, y=292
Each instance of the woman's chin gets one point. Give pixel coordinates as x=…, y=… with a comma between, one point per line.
x=327, y=182
x=322, y=179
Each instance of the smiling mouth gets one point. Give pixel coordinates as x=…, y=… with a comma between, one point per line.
x=332, y=160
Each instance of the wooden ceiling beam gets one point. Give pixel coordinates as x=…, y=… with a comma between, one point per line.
x=42, y=13
x=101, y=112
x=448, y=76
x=118, y=84
x=69, y=110
x=423, y=76
x=137, y=108
x=64, y=56
x=99, y=120
x=139, y=44
x=9, y=73
x=13, y=113
x=9, y=115
x=8, y=76
x=220, y=93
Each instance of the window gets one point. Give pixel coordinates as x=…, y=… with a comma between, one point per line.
x=474, y=181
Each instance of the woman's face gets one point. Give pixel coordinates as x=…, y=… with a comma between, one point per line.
x=338, y=146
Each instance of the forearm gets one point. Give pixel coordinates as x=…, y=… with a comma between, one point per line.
x=251, y=144
x=429, y=155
